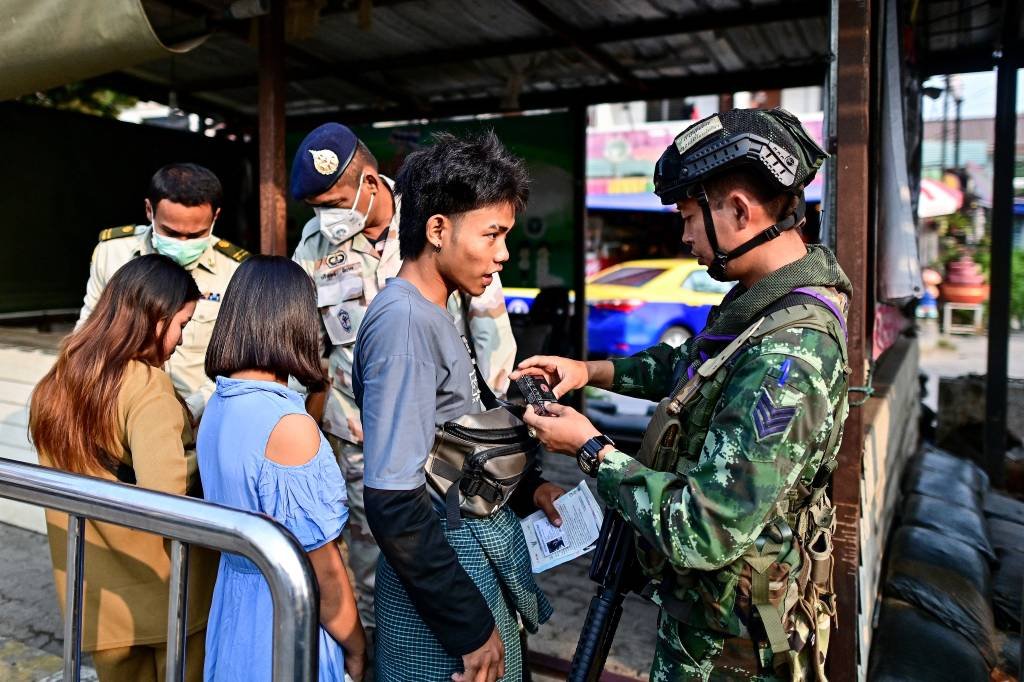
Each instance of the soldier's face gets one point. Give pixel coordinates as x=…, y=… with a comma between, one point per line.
x=175, y=326
x=695, y=236
x=473, y=247
x=178, y=221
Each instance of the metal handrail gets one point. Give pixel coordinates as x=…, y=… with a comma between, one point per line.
x=275, y=551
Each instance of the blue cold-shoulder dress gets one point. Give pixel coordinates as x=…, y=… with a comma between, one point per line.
x=309, y=500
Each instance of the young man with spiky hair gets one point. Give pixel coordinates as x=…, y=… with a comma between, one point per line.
x=447, y=598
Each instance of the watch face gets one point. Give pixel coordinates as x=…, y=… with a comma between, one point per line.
x=588, y=463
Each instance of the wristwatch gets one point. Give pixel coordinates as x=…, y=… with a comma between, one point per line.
x=586, y=456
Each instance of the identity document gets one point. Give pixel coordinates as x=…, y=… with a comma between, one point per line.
x=551, y=545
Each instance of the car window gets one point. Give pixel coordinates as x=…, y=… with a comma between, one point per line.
x=700, y=281
x=629, y=277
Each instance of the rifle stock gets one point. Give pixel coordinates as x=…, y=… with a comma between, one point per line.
x=616, y=572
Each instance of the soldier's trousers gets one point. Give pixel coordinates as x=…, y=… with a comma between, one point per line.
x=684, y=653
x=362, y=551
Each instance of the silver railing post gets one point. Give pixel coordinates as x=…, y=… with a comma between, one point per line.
x=186, y=521
x=177, y=608
x=73, y=599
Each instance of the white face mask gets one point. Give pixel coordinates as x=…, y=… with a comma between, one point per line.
x=339, y=224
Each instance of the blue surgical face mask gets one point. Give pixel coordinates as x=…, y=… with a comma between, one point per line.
x=339, y=224
x=184, y=252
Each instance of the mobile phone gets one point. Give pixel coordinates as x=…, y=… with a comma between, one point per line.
x=536, y=392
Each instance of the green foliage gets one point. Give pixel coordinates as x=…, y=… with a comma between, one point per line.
x=83, y=98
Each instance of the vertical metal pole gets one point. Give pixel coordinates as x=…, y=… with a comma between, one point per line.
x=578, y=116
x=271, y=124
x=854, y=91
x=73, y=607
x=177, y=612
x=958, y=102
x=1002, y=248
x=828, y=199
x=945, y=125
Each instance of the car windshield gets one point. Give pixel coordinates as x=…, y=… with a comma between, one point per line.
x=701, y=281
x=629, y=277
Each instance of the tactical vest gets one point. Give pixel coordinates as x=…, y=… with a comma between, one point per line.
x=786, y=575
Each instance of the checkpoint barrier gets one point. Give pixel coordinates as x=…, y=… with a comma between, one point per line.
x=184, y=521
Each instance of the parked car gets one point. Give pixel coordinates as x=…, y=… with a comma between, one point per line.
x=638, y=304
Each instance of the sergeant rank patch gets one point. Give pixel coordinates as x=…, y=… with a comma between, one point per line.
x=770, y=420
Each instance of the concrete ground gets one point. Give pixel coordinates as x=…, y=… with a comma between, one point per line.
x=946, y=355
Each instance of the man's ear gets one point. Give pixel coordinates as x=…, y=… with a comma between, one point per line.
x=372, y=181
x=438, y=227
x=741, y=206
x=150, y=213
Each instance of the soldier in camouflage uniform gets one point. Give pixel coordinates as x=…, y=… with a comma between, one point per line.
x=350, y=249
x=727, y=494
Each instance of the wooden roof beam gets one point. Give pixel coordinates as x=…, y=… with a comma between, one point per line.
x=578, y=40
x=639, y=30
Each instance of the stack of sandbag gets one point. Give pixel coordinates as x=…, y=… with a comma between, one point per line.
x=1006, y=529
x=936, y=621
x=910, y=645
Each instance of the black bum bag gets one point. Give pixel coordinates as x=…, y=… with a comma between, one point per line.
x=477, y=460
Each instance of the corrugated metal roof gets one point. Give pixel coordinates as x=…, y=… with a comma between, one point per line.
x=429, y=56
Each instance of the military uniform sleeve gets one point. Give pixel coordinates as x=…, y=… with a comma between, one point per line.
x=493, y=341
x=652, y=373
x=770, y=417
x=93, y=288
x=155, y=421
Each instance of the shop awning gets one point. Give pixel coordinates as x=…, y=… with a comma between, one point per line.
x=52, y=42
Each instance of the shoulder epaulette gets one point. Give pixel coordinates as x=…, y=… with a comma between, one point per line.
x=235, y=253
x=117, y=232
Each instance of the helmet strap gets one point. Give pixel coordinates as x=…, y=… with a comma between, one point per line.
x=722, y=258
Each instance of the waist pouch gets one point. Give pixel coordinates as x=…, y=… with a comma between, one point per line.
x=477, y=461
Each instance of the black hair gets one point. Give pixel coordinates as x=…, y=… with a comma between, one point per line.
x=268, y=321
x=188, y=184
x=365, y=156
x=454, y=176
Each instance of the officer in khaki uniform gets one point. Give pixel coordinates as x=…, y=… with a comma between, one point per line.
x=350, y=249
x=183, y=203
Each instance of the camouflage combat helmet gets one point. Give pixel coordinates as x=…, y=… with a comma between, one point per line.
x=772, y=143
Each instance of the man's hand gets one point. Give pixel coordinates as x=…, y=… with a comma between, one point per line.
x=565, y=431
x=486, y=664
x=562, y=373
x=544, y=497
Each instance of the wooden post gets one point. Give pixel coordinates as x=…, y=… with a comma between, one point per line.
x=853, y=208
x=271, y=142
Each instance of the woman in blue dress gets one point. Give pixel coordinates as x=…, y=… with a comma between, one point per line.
x=260, y=451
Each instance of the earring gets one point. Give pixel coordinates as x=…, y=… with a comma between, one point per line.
x=437, y=248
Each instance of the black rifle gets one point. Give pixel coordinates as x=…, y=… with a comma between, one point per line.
x=616, y=571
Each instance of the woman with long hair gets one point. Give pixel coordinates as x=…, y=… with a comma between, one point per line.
x=260, y=451
x=107, y=409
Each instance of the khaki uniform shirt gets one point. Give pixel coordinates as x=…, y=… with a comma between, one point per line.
x=348, y=276
x=125, y=587
x=212, y=272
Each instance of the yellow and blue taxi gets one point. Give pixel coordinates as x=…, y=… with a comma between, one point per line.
x=638, y=304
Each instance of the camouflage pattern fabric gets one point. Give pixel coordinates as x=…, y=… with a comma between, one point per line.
x=715, y=520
